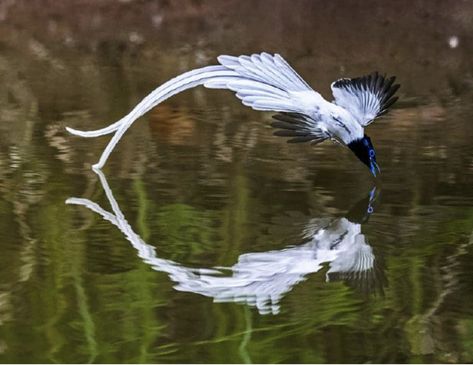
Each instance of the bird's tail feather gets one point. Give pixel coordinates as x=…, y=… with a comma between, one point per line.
x=176, y=85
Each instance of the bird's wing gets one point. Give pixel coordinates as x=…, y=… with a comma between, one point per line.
x=267, y=82
x=300, y=127
x=367, y=97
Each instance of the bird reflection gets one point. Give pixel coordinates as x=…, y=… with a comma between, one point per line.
x=260, y=279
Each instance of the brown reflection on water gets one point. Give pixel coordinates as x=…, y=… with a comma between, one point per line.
x=203, y=179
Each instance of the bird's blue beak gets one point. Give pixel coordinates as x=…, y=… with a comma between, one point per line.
x=374, y=167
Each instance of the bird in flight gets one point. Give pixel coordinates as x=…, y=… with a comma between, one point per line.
x=268, y=83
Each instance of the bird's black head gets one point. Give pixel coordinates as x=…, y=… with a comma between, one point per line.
x=364, y=150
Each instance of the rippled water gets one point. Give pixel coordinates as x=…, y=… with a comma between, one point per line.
x=207, y=239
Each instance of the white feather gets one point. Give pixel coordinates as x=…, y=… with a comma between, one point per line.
x=362, y=104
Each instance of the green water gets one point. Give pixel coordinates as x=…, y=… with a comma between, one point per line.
x=197, y=242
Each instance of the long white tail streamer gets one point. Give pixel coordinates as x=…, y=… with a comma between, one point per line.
x=176, y=85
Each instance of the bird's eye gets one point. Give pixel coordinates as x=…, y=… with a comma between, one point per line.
x=371, y=153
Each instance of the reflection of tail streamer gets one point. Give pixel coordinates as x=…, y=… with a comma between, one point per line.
x=145, y=251
x=258, y=279
x=176, y=85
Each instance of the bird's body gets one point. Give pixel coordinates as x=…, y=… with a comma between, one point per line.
x=268, y=83
x=336, y=122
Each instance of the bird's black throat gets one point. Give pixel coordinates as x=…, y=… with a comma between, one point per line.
x=364, y=150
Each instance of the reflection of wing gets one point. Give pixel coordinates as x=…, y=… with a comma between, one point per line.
x=343, y=245
x=366, y=97
x=257, y=279
x=357, y=259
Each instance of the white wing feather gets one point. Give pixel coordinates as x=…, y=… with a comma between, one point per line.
x=269, y=83
x=367, y=97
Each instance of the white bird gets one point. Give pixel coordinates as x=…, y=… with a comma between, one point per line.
x=267, y=82
x=261, y=279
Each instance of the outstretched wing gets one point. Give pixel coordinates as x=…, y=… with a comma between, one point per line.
x=366, y=97
x=267, y=82
x=300, y=127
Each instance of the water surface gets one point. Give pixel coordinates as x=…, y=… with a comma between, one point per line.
x=207, y=239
